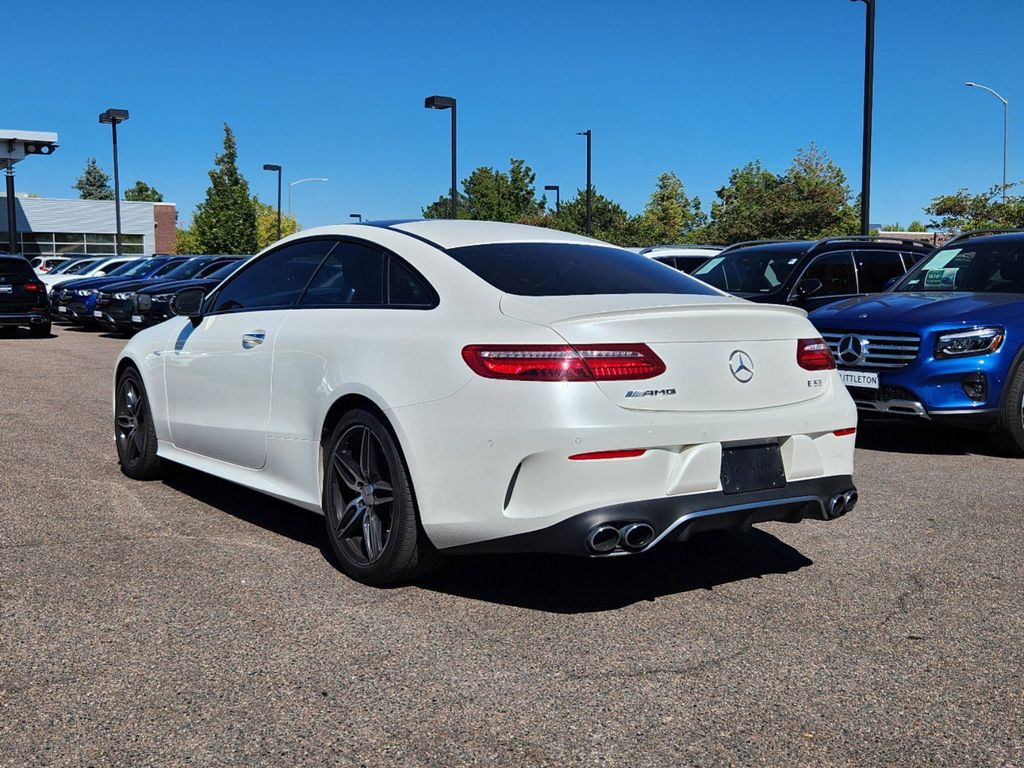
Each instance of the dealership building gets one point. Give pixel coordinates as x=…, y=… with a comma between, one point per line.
x=48, y=227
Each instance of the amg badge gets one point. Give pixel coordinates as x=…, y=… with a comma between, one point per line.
x=650, y=392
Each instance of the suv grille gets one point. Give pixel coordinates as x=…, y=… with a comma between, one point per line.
x=104, y=299
x=880, y=349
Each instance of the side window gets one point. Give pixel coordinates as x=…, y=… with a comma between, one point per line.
x=406, y=288
x=273, y=281
x=165, y=268
x=352, y=275
x=835, y=270
x=876, y=268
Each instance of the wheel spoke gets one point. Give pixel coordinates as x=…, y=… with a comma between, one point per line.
x=367, y=461
x=383, y=493
x=139, y=439
x=372, y=535
x=130, y=448
x=352, y=513
x=124, y=421
x=348, y=471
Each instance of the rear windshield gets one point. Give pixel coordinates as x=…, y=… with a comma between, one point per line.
x=15, y=271
x=565, y=269
x=749, y=271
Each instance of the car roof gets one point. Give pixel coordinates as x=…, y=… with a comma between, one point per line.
x=656, y=251
x=984, y=239
x=446, y=233
x=828, y=245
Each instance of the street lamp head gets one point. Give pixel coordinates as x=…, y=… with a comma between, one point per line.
x=583, y=133
x=551, y=187
x=271, y=167
x=439, y=102
x=971, y=85
x=356, y=216
x=114, y=116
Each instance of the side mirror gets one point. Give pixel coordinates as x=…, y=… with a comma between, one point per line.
x=890, y=283
x=808, y=287
x=101, y=273
x=188, y=302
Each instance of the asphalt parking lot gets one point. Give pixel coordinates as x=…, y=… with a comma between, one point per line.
x=190, y=622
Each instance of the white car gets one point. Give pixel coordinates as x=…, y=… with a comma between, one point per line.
x=685, y=258
x=87, y=268
x=44, y=264
x=466, y=386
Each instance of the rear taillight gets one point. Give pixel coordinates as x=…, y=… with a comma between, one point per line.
x=554, y=362
x=34, y=288
x=814, y=355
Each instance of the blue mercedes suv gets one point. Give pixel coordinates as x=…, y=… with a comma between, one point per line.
x=945, y=343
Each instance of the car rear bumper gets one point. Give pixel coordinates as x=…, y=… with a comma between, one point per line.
x=25, y=318
x=677, y=518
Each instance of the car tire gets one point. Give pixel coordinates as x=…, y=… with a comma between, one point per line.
x=134, y=433
x=1008, y=434
x=369, y=507
x=40, y=330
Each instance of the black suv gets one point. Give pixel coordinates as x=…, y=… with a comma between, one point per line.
x=23, y=299
x=810, y=274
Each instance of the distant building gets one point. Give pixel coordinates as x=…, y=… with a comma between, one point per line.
x=48, y=227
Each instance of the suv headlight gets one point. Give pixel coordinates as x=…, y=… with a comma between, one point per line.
x=84, y=292
x=123, y=296
x=977, y=341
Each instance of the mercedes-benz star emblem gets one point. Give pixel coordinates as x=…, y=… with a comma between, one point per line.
x=741, y=367
x=851, y=350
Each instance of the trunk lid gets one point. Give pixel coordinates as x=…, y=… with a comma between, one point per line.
x=720, y=353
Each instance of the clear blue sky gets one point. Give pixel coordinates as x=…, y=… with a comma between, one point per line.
x=336, y=89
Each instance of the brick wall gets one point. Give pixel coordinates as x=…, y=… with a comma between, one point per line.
x=165, y=224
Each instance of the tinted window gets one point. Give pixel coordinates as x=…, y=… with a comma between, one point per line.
x=875, y=269
x=557, y=269
x=134, y=268
x=209, y=268
x=835, y=270
x=352, y=274
x=273, y=281
x=753, y=270
x=996, y=266
x=406, y=289
x=222, y=271
x=15, y=271
x=165, y=268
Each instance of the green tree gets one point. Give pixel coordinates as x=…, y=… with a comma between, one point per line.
x=225, y=222
x=141, y=192
x=266, y=224
x=963, y=211
x=610, y=220
x=811, y=200
x=93, y=184
x=493, y=195
x=670, y=215
x=917, y=226
x=185, y=241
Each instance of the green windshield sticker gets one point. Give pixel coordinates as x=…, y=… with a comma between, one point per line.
x=940, y=278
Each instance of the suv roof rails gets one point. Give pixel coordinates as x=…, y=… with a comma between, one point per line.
x=825, y=241
x=747, y=243
x=708, y=246
x=980, y=233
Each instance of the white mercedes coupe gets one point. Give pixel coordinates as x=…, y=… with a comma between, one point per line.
x=440, y=387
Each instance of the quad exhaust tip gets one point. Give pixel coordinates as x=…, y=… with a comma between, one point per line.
x=632, y=537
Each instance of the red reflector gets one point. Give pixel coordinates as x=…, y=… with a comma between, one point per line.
x=554, y=362
x=628, y=454
x=845, y=432
x=814, y=355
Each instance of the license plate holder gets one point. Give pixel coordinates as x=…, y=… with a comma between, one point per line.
x=864, y=379
x=752, y=468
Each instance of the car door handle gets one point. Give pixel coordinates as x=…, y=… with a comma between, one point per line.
x=253, y=339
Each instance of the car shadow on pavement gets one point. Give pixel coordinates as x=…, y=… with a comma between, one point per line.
x=922, y=437
x=557, y=584
x=581, y=585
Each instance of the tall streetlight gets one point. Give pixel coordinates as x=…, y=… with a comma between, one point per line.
x=447, y=102
x=587, y=133
x=869, y=85
x=358, y=216
x=1006, y=125
x=115, y=116
x=558, y=195
x=277, y=168
x=292, y=184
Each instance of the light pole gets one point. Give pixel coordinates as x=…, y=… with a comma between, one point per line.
x=356, y=216
x=115, y=116
x=869, y=86
x=558, y=195
x=447, y=102
x=587, y=133
x=277, y=168
x=292, y=184
x=1006, y=125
